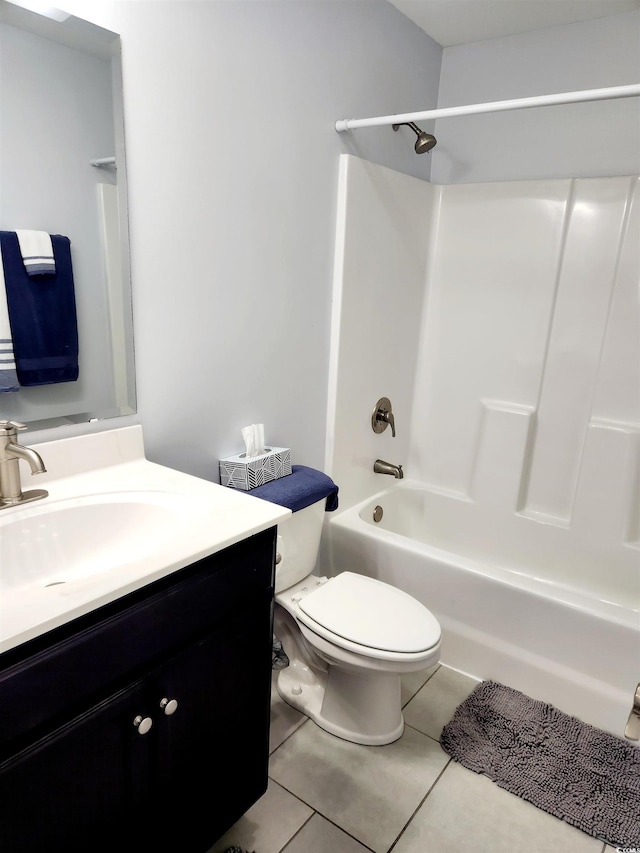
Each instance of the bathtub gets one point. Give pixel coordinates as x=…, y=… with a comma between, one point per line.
x=561, y=645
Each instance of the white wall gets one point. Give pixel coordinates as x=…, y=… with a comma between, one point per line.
x=579, y=140
x=232, y=172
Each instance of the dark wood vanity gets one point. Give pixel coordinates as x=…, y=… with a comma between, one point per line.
x=146, y=721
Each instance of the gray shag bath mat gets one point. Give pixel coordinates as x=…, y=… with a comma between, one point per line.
x=580, y=774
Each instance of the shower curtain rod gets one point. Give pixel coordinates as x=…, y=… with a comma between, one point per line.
x=613, y=92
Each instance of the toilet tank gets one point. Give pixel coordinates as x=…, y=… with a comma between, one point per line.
x=298, y=543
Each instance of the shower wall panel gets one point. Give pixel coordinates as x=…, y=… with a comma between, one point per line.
x=586, y=280
x=503, y=321
x=383, y=232
x=492, y=293
x=526, y=406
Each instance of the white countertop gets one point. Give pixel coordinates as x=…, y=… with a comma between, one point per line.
x=109, y=469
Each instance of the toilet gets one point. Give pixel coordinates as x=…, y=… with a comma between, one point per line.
x=348, y=638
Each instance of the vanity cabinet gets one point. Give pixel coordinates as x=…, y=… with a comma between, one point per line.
x=145, y=722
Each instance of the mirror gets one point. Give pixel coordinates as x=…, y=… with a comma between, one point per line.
x=63, y=171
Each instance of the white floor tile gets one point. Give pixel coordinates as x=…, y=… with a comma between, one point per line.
x=268, y=825
x=320, y=836
x=355, y=799
x=467, y=811
x=434, y=705
x=370, y=792
x=413, y=681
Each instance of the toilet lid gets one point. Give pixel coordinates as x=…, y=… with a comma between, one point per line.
x=370, y=613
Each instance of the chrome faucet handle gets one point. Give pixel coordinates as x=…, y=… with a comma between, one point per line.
x=388, y=416
x=382, y=417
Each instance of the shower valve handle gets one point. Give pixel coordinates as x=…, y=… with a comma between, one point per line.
x=388, y=417
x=382, y=417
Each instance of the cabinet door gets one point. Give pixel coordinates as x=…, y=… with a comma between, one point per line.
x=75, y=789
x=213, y=750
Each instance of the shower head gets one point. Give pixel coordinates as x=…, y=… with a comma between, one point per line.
x=425, y=141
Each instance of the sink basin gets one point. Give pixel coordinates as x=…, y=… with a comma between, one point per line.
x=64, y=541
x=112, y=523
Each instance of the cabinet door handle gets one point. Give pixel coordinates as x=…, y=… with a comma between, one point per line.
x=143, y=724
x=169, y=706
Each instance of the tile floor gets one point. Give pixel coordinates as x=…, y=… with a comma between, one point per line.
x=329, y=796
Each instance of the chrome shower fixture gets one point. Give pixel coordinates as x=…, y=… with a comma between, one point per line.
x=425, y=141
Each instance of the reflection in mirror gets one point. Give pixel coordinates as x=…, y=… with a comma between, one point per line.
x=62, y=171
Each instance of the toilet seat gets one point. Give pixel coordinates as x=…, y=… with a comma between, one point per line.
x=369, y=617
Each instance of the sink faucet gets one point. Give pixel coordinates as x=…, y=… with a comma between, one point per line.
x=10, y=455
x=382, y=467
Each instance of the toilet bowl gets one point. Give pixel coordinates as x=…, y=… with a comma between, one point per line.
x=348, y=638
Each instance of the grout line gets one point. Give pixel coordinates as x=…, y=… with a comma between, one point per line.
x=413, y=695
x=424, y=734
x=316, y=812
x=291, y=733
x=419, y=806
x=297, y=832
x=343, y=830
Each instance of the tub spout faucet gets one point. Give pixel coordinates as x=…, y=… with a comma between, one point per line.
x=382, y=467
x=10, y=455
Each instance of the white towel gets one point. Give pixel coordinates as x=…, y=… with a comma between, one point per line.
x=8, y=374
x=37, y=252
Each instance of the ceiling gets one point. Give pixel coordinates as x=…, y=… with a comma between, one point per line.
x=451, y=22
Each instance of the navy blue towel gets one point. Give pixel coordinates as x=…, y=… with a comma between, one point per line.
x=299, y=489
x=42, y=314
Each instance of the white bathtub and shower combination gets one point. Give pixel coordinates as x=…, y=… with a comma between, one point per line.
x=501, y=321
x=574, y=650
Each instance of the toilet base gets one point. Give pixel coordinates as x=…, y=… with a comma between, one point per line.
x=361, y=708
x=353, y=697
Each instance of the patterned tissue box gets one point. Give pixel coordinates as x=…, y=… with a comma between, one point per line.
x=248, y=472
